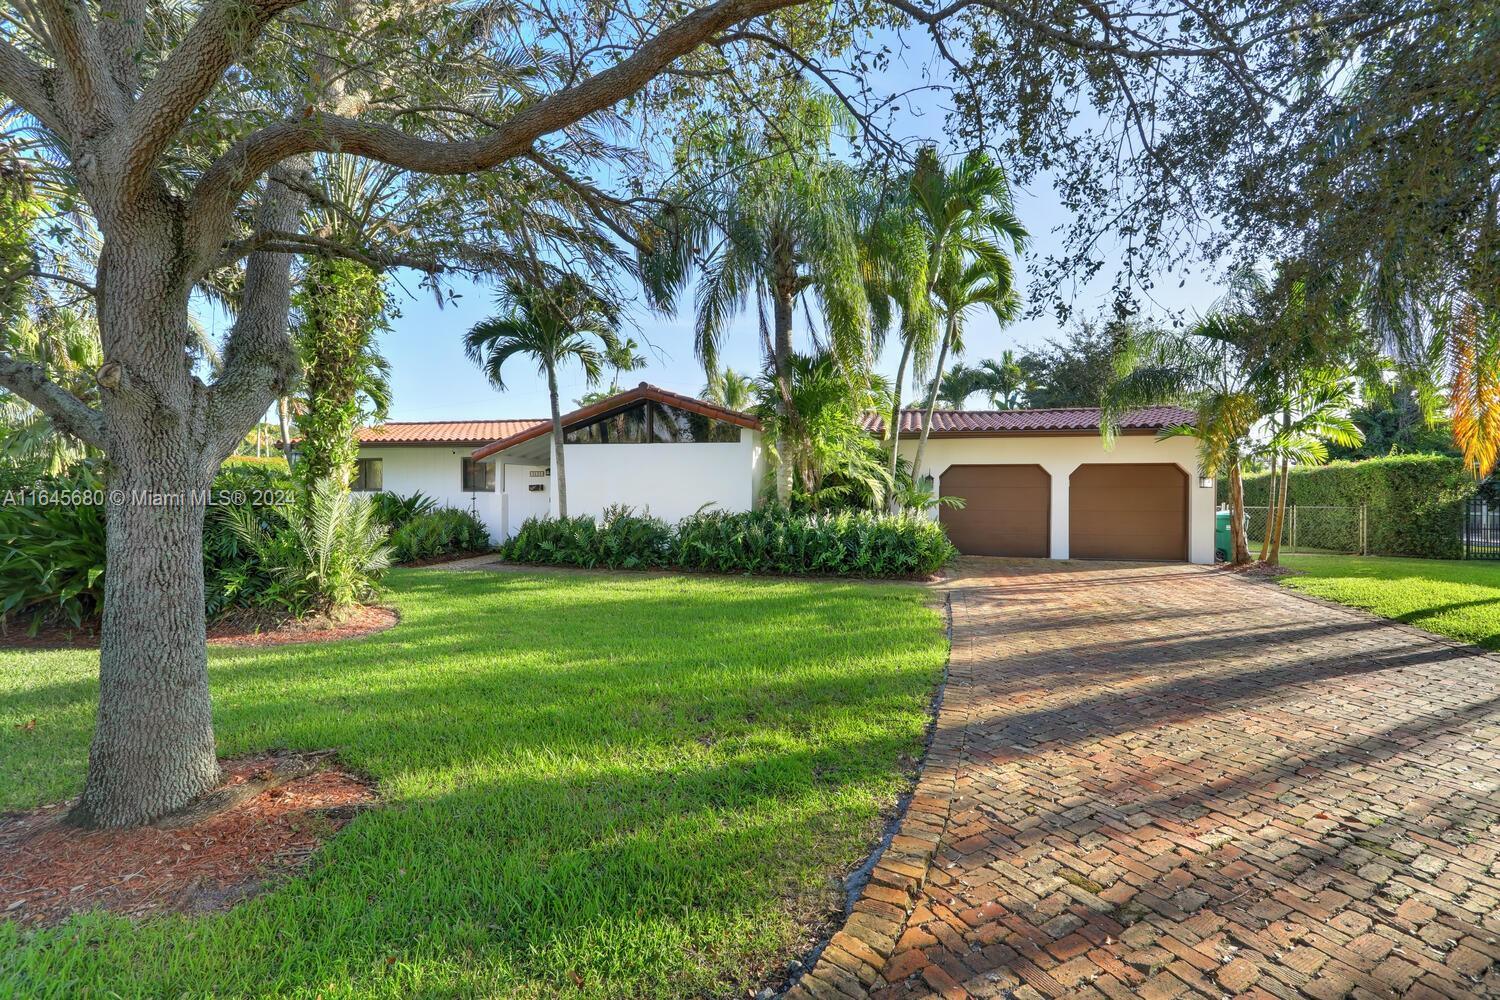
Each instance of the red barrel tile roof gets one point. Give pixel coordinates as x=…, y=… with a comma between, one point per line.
x=1063, y=421
x=455, y=432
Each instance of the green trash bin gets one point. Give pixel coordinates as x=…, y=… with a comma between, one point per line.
x=1223, y=538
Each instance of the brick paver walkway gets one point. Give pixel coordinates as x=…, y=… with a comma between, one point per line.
x=1162, y=781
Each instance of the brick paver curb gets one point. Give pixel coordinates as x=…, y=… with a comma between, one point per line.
x=1165, y=782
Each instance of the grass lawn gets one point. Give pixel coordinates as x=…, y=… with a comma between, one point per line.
x=600, y=786
x=1452, y=598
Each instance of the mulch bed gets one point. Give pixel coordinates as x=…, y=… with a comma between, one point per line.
x=49, y=870
x=245, y=629
x=447, y=557
x=1259, y=570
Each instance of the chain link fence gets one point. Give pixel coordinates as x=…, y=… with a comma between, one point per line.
x=1338, y=530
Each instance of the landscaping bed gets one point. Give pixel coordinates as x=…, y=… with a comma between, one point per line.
x=244, y=627
x=592, y=785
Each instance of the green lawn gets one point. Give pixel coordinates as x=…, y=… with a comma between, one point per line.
x=636, y=783
x=1457, y=599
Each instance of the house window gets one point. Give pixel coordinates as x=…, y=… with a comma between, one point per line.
x=368, y=476
x=478, y=477
x=652, y=422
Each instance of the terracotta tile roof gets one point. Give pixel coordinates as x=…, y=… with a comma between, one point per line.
x=456, y=432
x=980, y=423
x=619, y=399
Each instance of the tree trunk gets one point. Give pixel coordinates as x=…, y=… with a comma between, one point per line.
x=894, y=427
x=1272, y=500
x=942, y=358
x=1241, y=543
x=781, y=365
x=1285, y=475
x=560, y=472
x=153, y=746
x=286, y=429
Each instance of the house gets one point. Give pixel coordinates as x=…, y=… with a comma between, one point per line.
x=1035, y=483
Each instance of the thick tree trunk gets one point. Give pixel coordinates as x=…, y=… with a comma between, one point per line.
x=781, y=358
x=1241, y=543
x=560, y=472
x=942, y=359
x=153, y=746
x=894, y=427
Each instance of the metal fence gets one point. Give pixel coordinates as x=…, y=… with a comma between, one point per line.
x=1481, y=530
x=1342, y=530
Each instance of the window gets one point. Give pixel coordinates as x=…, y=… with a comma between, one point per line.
x=368, y=476
x=652, y=422
x=478, y=477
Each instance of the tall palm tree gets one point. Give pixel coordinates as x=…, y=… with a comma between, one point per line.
x=552, y=323
x=963, y=221
x=957, y=385
x=981, y=282
x=1211, y=370
x=621, y=356
x=771, y=219
x=1003, y=381
x=729, y=389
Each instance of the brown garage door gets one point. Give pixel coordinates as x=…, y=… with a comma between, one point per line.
x=1127, y=512
x=1006, y=510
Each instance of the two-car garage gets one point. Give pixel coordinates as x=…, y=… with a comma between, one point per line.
x=1116, y=510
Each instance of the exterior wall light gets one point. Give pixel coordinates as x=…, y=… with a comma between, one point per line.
x=1206, y=482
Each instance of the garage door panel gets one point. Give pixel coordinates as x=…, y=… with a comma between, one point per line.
x=1006, y=512
x=1127, y=511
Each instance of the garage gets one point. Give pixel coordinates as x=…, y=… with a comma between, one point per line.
x=1123, y=511
x=1007, y=509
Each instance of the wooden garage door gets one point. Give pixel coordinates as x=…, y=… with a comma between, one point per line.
x=1127, y=512
x=1006, y=510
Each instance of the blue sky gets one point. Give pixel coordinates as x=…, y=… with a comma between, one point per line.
x=432, y=380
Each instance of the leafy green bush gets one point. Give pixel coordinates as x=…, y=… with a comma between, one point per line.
x=1415, y=503
x=395, y=509
x=771, y=540
x=327, y=552
x=52, y=567
x=441, y=532
x=233, y=574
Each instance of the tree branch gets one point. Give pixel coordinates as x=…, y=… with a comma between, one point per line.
x=80, y=61
x=240, y=166
x=223, y=33
x=67, y=411
x=276, y=241
x=25, y=83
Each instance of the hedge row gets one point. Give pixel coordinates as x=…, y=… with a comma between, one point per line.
x=1414, y=503
x=772, y=540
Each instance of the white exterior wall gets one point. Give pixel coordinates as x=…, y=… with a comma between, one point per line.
x=437, y=472
x=670, y=481
x=1060, y=455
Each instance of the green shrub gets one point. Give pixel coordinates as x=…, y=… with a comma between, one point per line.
x=52, y=565
x=441, y=532
x=772, y=541
x=1414, y=503
x=395, y=509
x=233, y=574
x=324, y=552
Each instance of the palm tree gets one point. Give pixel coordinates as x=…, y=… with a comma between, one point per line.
x=621, y=356
x=963, y=221
x=552, y=323
x=1315, y=411
x=729, y=389
x=774, y=220
x=65, y=343
x=1211, y=370
x=983, y=282
x=1003, y=381
x=957, y=385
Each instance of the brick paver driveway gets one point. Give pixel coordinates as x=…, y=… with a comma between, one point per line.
x=1162, y=781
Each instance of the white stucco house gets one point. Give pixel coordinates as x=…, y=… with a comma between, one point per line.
x=1036, y=483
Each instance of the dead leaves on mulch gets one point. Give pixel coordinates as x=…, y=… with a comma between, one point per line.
x=49, y=870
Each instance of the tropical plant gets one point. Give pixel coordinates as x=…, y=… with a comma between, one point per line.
x=65, y=344
x=771, y=217
x=327, y=552
x=957, y=385
x=444, y=531
x=729, y=389
x=964, y=224
x=552, y=322
x=52, y=565
x=1004, y=381
x=834, y=461
x=339, y=308
x=394, y=510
